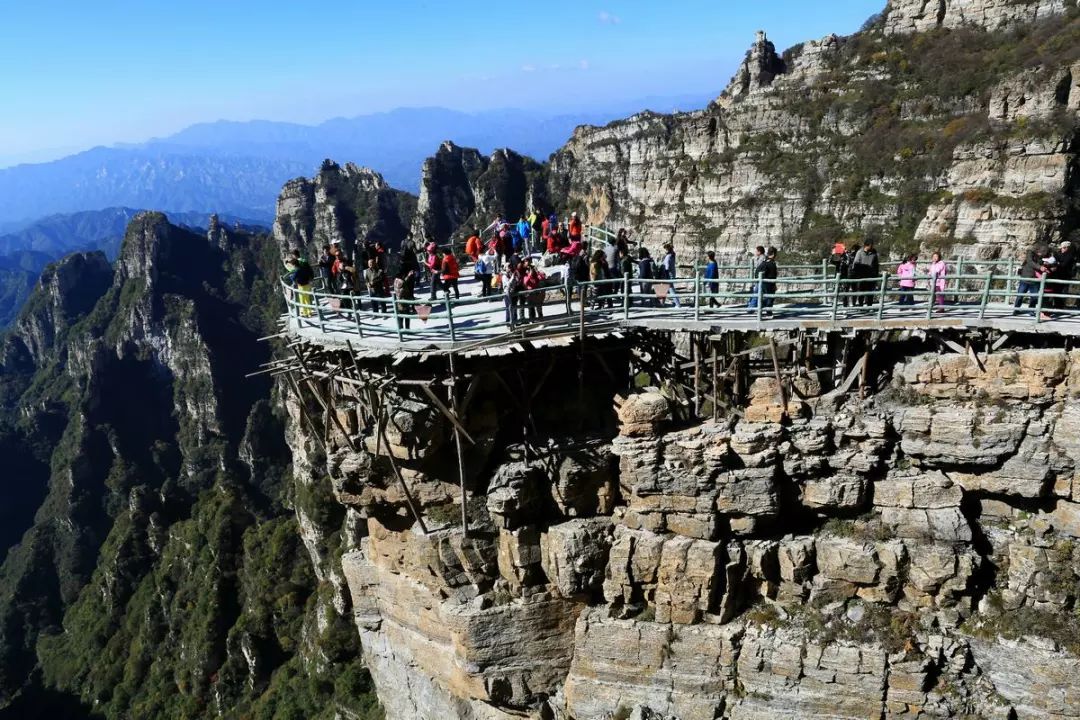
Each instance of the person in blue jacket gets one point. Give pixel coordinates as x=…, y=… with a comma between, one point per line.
x=712, y=273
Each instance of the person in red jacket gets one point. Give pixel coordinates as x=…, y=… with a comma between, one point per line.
x=473, y=246
x=575, y=228
x=533, y=280
x=450, y=274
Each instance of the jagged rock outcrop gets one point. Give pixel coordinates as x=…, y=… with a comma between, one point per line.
x=757, y=71
x=350, y=205
x=879, y=133
x=461, y=189
x=66, y=291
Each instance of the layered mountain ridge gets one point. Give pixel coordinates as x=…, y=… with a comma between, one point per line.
x=161, y=573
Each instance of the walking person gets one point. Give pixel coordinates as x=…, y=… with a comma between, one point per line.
x=626, y=269
x=533, y=282
x=769, y=273
x=597, y=274
x=865, y=266
x=510, y=286
x=938, y=271
x=404, y=291
x=433, y=264
x=450, y=272
x=669, y=270
x=712, y=275
x=485, y=271
x=758, y=266
x=646, y=272
x=906, y=272
x=841, y=259
x=1031, y=271
x=1064, y=270
x=375, y=278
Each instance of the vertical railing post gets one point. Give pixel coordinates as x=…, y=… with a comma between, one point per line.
x=986, y=294
x=881, y=298
x=397, y=323
x=450, y=318
x=356, y=319
x=318, y=310
x=697, y=296
x=760, y=298
x=836, y=297
x=566, y=291
x=933, y=296
x=1009, y=279
x=824, y=269
x=959, y=280
x=626, y=296
x=1042, y=293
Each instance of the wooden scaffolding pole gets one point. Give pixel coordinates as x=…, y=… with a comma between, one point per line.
x=458, y=430
x=380, y=440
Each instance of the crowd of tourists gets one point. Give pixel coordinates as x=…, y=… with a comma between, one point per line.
x=520, y=262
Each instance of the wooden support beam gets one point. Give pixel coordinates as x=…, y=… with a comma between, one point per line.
x=779, y=379
x=303, y=410
x=450, y=415
x=856, y=372
x=715, y=382
x=458, y=430
x=380, y=440
x=697, y=375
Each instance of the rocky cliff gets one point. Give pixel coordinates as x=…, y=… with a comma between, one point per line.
x=159, y=572
x=907, y=554
x=946, y=124
x=350, y=205
x=461, y=189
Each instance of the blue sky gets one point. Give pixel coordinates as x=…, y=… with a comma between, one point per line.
x=79, y=73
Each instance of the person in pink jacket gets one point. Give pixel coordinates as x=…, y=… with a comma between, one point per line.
x=938, y=270
x=906, y=273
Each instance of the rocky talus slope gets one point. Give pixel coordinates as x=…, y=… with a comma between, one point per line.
x=944, y=123
x=912, y=554
x=155, y=567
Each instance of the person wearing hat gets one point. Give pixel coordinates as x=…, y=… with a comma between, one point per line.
x=1064, y=269
x=574, y=230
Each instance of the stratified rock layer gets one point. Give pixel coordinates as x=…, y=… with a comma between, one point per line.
x=893, y=557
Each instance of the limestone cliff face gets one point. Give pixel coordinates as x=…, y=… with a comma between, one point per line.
x=912, y=554
x=460, y=188
x=903, y=16
x=915, y=130
x=66, y=291
x=350, y=205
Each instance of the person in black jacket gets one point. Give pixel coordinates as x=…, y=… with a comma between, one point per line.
x=1031, y=271
x=865, y=266
x=1064, y=269
x=769, y=271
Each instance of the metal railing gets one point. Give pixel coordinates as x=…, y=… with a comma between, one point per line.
x=972, y=298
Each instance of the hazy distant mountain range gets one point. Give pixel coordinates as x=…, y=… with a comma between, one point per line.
x=239, y=167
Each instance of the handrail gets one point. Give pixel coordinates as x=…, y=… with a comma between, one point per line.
x=689, y=299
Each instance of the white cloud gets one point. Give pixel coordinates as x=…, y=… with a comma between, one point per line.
x=607, y=18
x=528, y=68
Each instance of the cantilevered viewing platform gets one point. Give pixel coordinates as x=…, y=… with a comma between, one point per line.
x=981, y=298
